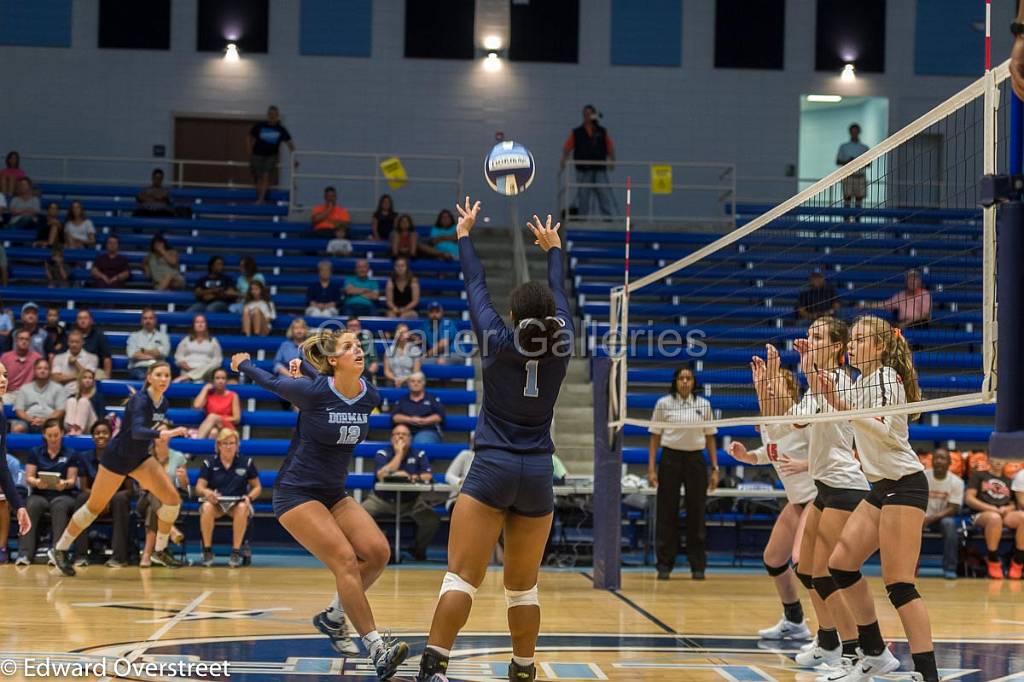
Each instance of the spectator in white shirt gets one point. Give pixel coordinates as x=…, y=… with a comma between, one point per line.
x=69, y=364
x=79, y=232
x=682, y=464
x=945, y=497
x=38, y=401
x=198, y=353
x=85, y=407
x=1017, y=486
x=146, y=345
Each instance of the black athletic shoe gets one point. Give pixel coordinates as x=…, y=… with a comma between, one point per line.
x=166, y=559
x=663, y=575
x=519, y=673
x=392, y=656
x=341, y=638
x=697, y=575
x=433, y=667
x=62, y=561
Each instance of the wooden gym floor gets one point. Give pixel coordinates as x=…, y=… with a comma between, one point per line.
x=258, y=620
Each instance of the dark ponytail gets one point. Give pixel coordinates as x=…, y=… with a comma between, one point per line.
x=537, y=330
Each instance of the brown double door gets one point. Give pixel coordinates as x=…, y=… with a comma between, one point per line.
x=198, y=138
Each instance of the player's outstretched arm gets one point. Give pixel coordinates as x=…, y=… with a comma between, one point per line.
x=298, y=391
x=547, y=238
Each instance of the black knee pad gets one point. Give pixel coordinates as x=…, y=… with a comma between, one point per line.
x=776, y=570
x=901, y=594
x=844, y=579
x=805, y=580
x=825, y=586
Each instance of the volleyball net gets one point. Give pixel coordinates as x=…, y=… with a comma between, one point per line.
x=897, y=235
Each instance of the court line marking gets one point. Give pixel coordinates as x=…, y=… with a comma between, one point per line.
x=636, y=607
x=164, y=629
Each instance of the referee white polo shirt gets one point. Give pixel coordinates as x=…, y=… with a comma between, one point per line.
x=690, y=410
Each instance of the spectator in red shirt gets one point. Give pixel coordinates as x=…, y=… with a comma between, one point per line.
x=19, y=362
x=111, y=269
x=329, y=216
x=913, y=305
x=591, y=147
x=11, y=173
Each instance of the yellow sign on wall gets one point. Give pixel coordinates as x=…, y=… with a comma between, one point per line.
x=394, y=171
x=661, y=179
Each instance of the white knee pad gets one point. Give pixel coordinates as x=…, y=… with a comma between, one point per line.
x=82, y=517
x=453, y=582
x=168, y=513
x=521, y=597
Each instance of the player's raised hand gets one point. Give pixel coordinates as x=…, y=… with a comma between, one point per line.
x=237, y=359
x=544, y=233
x=295, y=368
x=467, y=218
x=774, y=362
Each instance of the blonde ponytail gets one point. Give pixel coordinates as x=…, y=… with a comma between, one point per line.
x=321, y=345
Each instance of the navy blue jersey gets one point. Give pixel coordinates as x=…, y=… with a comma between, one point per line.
x=6, y=481
x=65, y=460
x=519, y=391
x=415, y=462
x=138, y=430
x=228, y=481
x=328, y=429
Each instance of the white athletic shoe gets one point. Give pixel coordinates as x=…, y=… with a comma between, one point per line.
x=785, y=629
x=863, y=668
x=810, y=645
x=818, y=657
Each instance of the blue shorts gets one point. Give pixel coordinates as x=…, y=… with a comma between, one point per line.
x=121, y=464
x=288, y=497
x=520, y=484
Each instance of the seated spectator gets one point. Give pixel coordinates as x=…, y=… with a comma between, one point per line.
x=402, y=462
x=361, y=292
x=161, y=265
x=383, y=220
x=404, y=239
x=370, y=363
x=323, y=295
x=24, y=207
x=222, y=407
x=340, y=245
x=67, y=366
x=154, y=201
x=988, y=493
x=213, y=292
x=1017, y=486
x=19, y=363
x=18, y=476
x=53, y=495
x=439, y=335
x=248, y=272
x=818, y=298
x=173, y=463
x=51, y=232
x=421, y=412
x=39, y=401
x=328, y=216
x=289, y=349
x=56, y=340
x=119, y=507
x=79, y=232
x=29, y=319
x=403, y=358
x=444, y=243
x=945, y=495
x=147, y=345
x=6, y=322
x=95, y=341
x=402, y=291
x=11, y=173
x=57, y=274
x=228, y=485
x=110, y=269
x=197, y=354
x=258, y=311
x=85, y=407
x=912, y=305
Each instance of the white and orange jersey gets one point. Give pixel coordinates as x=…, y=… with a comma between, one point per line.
x=883, y=443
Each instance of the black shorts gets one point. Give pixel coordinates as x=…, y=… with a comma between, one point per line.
x=909, y=491
x=520, y=484
x=121, y=464
x=844, y=499
x=288, y=497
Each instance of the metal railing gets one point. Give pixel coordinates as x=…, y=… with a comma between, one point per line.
x=700, y=192
x=133, y=170
x=890, y=192
x=432, y=182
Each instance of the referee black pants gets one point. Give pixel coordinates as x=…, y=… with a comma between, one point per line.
x=684, y=468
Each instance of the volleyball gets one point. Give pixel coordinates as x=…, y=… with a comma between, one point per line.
x=509, y=168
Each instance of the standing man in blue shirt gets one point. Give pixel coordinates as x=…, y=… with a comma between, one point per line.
x=265, y=140
x=855, y=185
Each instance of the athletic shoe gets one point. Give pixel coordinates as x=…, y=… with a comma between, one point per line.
x=235, y=560
x=166, y=559
x=864, y=669
x=62, y=561
x=207, y=559
x=4, y=557
x=818, y=656
x=341, y=638
x=114, y=563
x=1016, y=570
x=663, y=575
x=81, y=562
x=949, y=575
x=22, y=560
x=433, y=667
x=520, y=673
x=810, y=645
x=697, y=575
x=995, y=570
x=390, y=658
x=436, y=677
x=785, y=629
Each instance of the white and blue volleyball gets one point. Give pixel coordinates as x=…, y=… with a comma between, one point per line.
x=509, y=168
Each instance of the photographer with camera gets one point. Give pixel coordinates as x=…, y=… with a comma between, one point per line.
x=591, y=143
